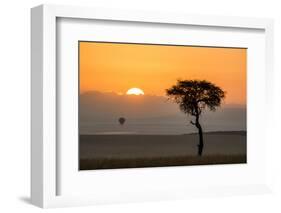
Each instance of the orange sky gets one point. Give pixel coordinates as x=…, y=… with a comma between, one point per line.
x=117, y=67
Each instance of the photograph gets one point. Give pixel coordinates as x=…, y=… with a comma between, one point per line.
x=159, y=105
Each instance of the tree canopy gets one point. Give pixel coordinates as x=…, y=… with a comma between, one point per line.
x=193, y=96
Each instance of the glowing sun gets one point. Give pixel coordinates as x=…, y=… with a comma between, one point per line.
x=135, y=91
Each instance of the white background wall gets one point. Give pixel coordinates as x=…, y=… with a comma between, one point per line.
x=15, y=105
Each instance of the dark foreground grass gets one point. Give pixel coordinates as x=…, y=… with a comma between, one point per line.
x=117, y=163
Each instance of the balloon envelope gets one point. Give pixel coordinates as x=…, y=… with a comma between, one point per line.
x=121, y=120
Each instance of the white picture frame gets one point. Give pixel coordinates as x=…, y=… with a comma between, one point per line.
x=45, y=169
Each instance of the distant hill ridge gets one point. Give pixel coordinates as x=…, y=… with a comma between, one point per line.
x=222, y=133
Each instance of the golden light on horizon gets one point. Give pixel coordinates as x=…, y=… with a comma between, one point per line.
x=135, y=91
x=115, y=67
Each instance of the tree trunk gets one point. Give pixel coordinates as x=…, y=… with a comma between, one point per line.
x=200, y=131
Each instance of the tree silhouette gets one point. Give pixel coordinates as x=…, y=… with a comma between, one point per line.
x=193, y=97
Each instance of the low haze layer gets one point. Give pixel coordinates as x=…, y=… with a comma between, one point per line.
x=99, y=113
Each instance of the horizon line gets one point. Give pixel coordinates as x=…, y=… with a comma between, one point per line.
x=147, y=95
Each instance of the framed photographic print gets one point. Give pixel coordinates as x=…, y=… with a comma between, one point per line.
x=127, y=118
x=130, y=106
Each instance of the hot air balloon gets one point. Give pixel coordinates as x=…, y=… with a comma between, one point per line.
x=121, y=120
